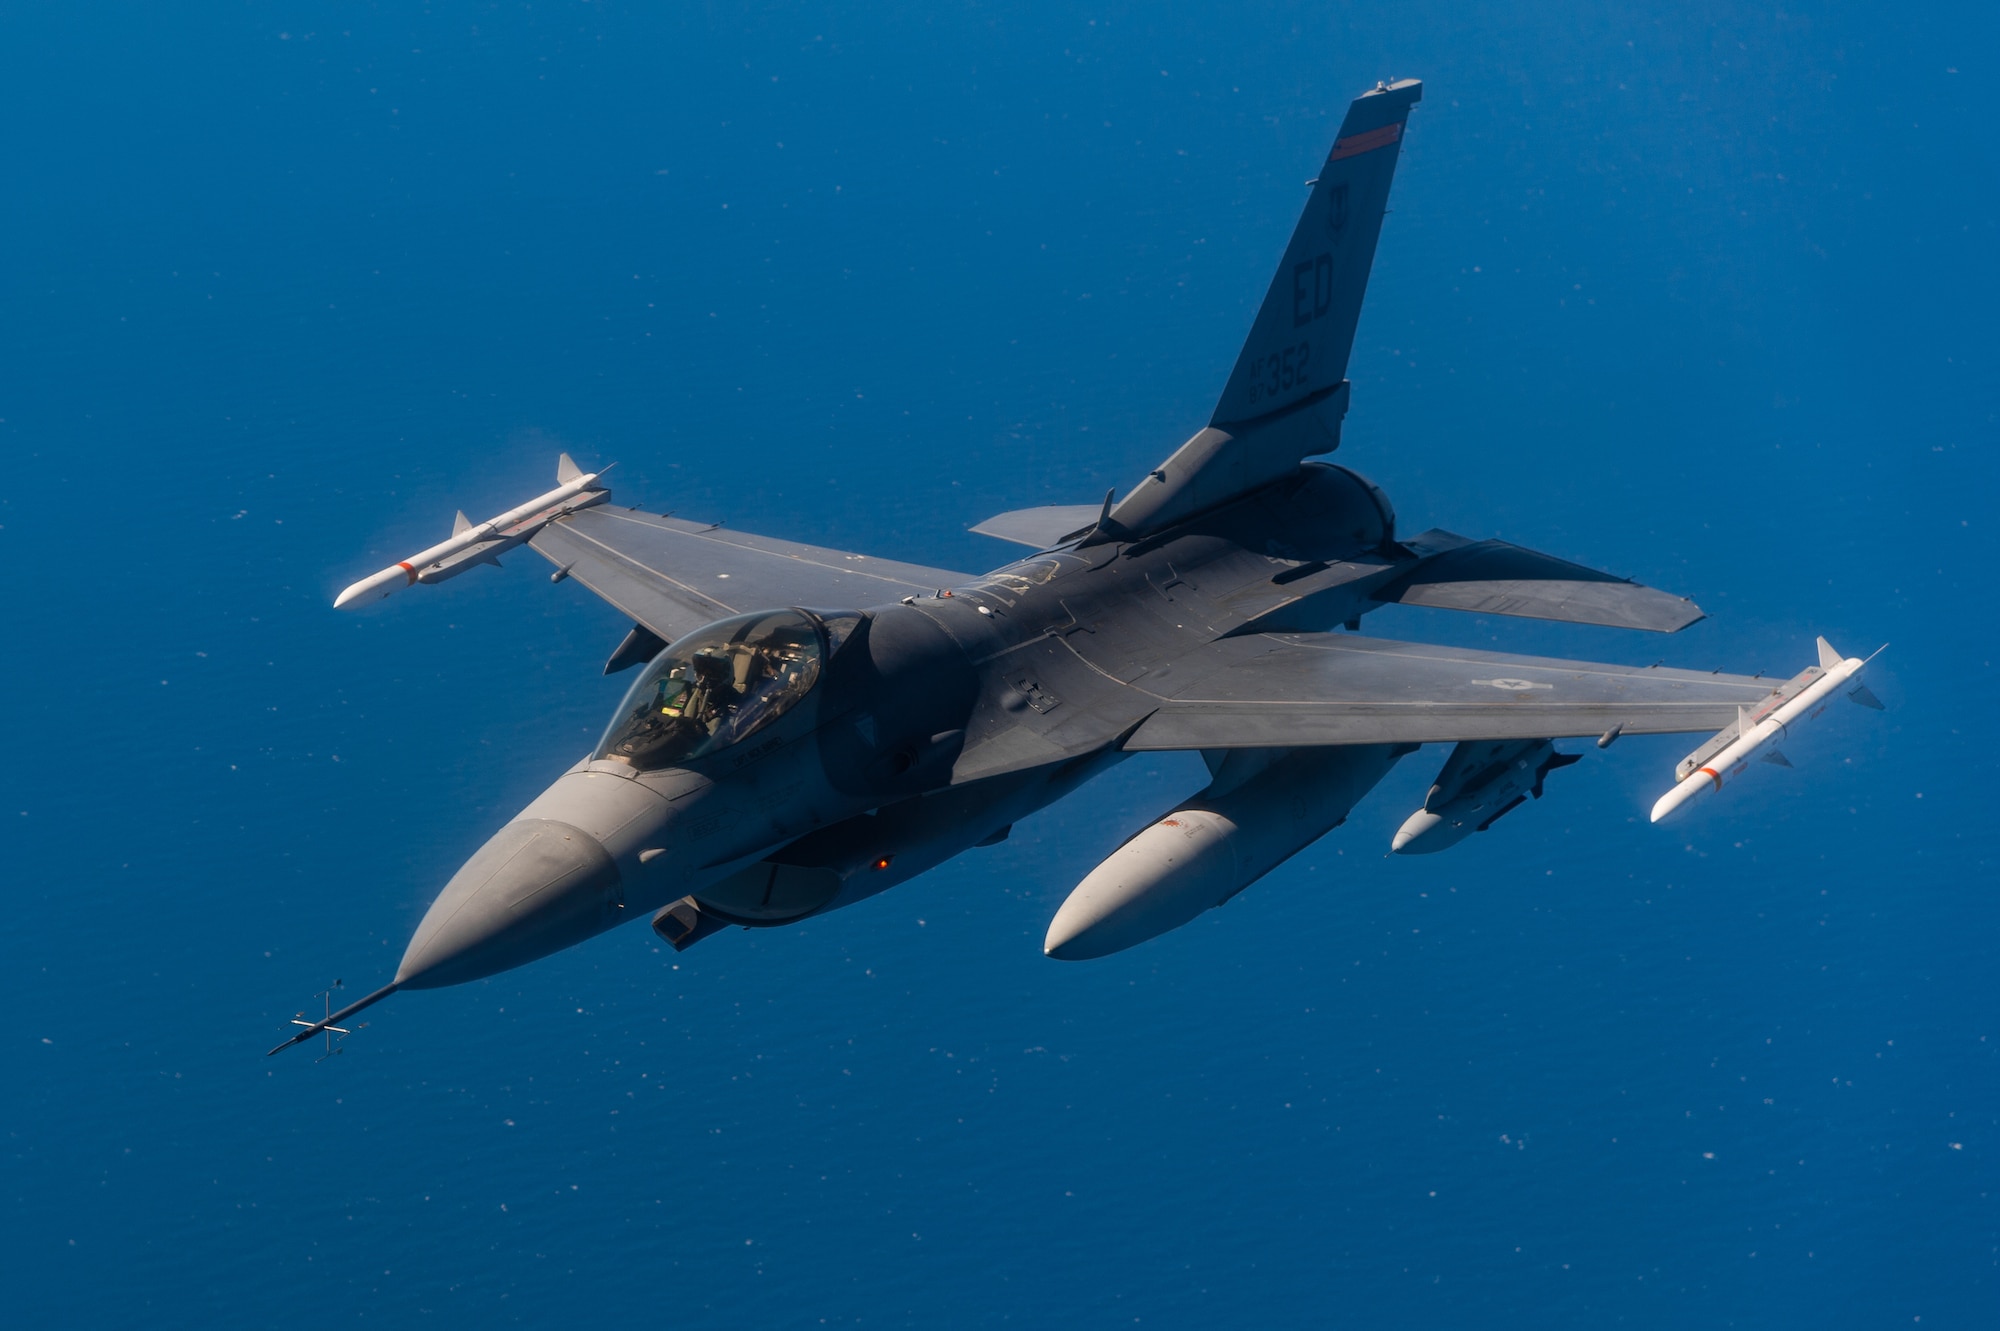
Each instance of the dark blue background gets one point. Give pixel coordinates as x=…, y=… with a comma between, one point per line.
x=1701, y=293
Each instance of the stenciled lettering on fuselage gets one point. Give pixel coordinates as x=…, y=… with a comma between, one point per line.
x=1008, y=585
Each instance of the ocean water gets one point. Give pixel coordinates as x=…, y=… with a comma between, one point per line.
x=1699, y=293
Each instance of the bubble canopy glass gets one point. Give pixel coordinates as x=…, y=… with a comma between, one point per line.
x=714, y=687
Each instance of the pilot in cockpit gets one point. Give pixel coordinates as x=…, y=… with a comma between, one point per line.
x=701, y=695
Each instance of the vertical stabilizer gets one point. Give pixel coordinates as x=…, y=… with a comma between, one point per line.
x=1305, y=329
x=1285, y=399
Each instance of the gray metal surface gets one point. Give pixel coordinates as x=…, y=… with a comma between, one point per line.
x=673, y=575
x=1315, y=296
x=1042, y=527
x=1495, y=578
x=1286, y=395
x=1298, y=689
x=537, y=886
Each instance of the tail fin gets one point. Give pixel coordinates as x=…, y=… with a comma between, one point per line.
x=1287, y=394
x=1305, y=329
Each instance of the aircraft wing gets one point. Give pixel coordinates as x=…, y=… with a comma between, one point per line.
x=671, y=575
x=1283, y=690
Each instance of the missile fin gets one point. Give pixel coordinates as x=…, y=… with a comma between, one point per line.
x=566, y=469
x=1554, y=763
x=1861, y=694
x=472, y=543
x=1828, y=657
x=1777, y=759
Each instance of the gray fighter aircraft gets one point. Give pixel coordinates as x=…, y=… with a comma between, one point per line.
x=812, y=727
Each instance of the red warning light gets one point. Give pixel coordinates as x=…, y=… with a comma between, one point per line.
x=882, y=863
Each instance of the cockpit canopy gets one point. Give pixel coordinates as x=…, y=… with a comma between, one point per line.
x=716, y=686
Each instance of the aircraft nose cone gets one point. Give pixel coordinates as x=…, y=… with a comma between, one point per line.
x=537, y=887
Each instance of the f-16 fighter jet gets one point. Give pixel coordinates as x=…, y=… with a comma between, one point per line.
x=810, y=727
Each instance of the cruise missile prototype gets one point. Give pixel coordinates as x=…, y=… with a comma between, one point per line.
x=811, y=727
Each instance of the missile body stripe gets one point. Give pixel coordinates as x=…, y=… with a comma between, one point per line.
x=405, y=566
x=1714, y=776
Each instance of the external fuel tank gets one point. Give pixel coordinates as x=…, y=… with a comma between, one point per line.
x=1263, y=807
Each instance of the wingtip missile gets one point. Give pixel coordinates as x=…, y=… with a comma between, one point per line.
x=1755, y=733
x=471, y=544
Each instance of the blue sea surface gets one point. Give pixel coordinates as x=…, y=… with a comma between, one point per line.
x=1703, y=294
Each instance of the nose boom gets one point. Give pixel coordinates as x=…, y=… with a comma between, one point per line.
x=537, y=887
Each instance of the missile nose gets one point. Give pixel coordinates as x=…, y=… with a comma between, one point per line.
x=1418, y=823
x=536, y=887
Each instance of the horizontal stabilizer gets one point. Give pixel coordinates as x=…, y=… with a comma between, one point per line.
x=1042, y=527
x=1495, y=578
